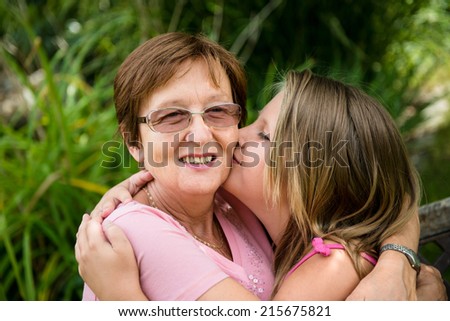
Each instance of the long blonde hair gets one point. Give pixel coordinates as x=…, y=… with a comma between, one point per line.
x=340, y=161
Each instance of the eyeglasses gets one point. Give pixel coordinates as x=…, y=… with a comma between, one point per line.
x=175, y=119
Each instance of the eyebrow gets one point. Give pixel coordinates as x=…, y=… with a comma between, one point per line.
x=183, y=103
x=170, y=103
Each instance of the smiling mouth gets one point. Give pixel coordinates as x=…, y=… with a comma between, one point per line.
x=196, y=160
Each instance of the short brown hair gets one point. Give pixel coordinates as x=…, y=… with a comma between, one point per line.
x=156, y=61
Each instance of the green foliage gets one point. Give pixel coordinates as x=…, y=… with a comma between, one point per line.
x=60, y=57
x=51, y=164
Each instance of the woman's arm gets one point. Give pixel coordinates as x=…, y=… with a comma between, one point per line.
x=105, y=256
x=393, y=278
x=106, y=261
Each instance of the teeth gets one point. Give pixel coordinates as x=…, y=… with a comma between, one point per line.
x=197, y=160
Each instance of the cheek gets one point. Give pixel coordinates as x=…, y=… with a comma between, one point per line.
x=257, y=174
x=231, y=136
x=227, y=141
x=249, y=183
x=255, y=171
x=155, y=155
x=253, y=165
x=255, y=155
x=159, y=151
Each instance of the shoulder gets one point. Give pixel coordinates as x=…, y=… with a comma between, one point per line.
x=138, y=213
x=330, y=277
x=143, y=224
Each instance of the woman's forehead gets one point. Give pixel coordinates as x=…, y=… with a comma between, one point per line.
x=272, y=109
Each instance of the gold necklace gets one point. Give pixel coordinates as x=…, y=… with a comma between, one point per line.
x=213, y=246
x=150, y=198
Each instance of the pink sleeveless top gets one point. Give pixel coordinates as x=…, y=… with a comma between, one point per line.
x=319, y=247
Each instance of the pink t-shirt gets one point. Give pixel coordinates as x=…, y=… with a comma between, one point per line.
x=174, y=266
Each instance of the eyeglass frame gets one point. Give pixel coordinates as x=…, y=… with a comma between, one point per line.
x=145, y=119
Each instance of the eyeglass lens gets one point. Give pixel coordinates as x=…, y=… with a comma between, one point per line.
x=175, y=119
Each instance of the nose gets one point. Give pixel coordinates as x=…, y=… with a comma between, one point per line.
x=199, y=131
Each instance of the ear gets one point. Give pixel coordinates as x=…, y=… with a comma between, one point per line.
x=137, y=153
x=135, y=148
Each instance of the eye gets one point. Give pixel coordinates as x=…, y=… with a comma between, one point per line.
x=217, y=112
x=173, y=113
x=169, y=115
x=216, y=109
x=264, y=136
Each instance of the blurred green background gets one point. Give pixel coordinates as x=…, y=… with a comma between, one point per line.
x=57, y=64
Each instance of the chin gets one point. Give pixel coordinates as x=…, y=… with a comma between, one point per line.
x=200, y=187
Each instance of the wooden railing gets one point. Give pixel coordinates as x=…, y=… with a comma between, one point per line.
x=435, y=228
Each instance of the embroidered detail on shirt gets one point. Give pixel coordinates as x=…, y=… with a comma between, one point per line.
x=256, y=284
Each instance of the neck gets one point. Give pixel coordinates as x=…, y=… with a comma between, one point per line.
x=273, y=219
x=194, y=212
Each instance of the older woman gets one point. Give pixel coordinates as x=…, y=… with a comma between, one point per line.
x=178, y=100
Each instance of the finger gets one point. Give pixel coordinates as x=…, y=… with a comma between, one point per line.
x=94, y=234
x=84, y=218
x=137, y=181
x=124, y=192
x=117, y=237
x=81, y=237
x=96, y=213
x=109, y=204
x=424, y=269
x=121, y=193
x=106, y=205
x=82, y=227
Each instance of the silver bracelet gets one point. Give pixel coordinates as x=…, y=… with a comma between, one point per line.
x=410, y=254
